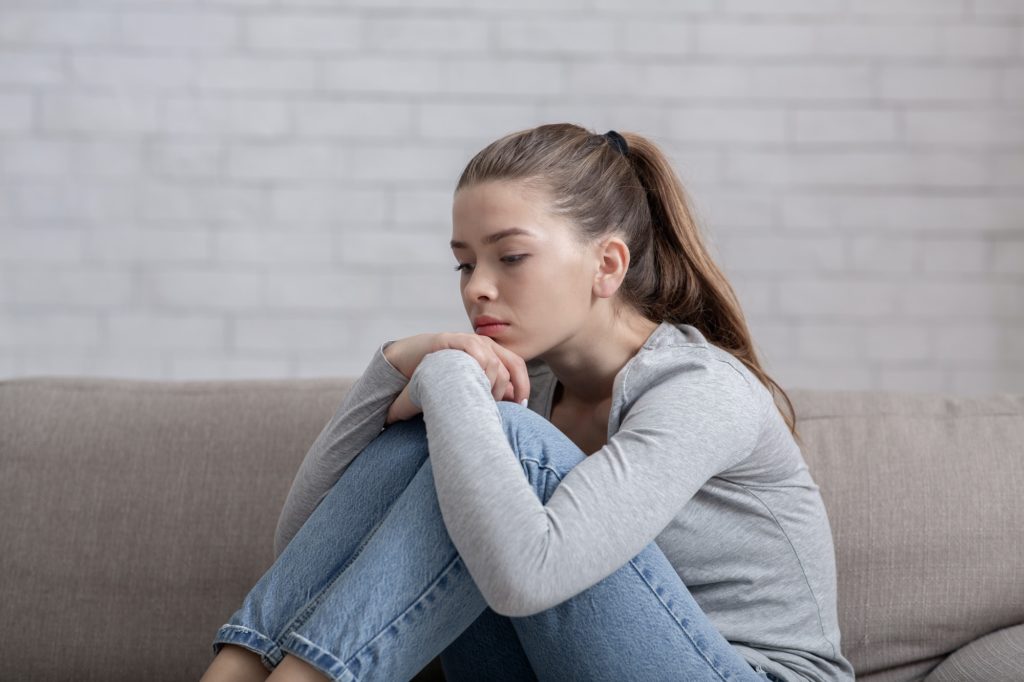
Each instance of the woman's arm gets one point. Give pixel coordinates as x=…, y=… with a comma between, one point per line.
x=358, y=420
x=694, y=417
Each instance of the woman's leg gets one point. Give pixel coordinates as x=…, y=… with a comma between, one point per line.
x=489, y=649
x=406, y=597
x=641, y=622
x=292, y=587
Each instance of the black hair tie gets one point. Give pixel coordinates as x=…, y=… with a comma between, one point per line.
x=618, y=141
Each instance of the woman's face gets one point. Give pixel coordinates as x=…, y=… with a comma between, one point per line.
x=539, y=282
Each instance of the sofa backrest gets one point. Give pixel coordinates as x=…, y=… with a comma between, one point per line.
x=137, y=514
x=925, y=495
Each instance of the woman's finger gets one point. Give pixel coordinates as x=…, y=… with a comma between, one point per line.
x=520, y=376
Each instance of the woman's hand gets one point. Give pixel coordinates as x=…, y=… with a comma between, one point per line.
x=506, y=371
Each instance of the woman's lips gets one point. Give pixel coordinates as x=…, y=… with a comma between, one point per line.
x=491, y=329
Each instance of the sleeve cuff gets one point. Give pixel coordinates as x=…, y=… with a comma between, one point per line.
x=388, y=367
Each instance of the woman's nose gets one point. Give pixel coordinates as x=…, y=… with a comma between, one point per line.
x=479, y=283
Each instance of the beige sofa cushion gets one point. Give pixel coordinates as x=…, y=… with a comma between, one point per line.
x=138, y=515
x=925, y=494
x=998, y=657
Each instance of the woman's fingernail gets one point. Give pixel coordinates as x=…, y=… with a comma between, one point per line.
x=524, y=401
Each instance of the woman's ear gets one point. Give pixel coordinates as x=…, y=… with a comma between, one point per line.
x=612, y=263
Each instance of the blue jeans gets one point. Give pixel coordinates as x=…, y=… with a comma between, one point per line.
x=372, y=588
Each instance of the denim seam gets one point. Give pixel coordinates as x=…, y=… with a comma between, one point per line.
x=429, y=590
x=540, y=465
x=320, y=651
x=654, y=591
x=307, y=611
x=273, y=652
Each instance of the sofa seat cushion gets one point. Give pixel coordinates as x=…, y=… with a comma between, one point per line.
x=997, y=656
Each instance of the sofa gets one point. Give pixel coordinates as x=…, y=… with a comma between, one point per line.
x=138, y=513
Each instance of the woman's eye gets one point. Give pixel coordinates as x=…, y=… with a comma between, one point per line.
x=511, y=260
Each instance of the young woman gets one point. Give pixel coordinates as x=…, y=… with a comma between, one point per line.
x=648, y=515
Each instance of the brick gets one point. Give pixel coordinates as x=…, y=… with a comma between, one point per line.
x=405, y=163
x=1008, y=256
x=799, y=8
x=365, y=73
x=479, y=121
x=830, y=341
x=353, y=119
x=965, y=346
x=135, y=245
x=119, y=113
x=955, y=256
x=845, y=126
x=912, y=379
x=106, y=158
x=304, y=33
x=133, y=72
x=782, y=254
x=233, y=117
x=848, y=297
x=193, y=30
x=664, y=36
x=757, y=124
x=285, y=160
x=31, y=67
x=936, y=83
x=391, y=249
x=970, y=128
x=418, y=206
x=202, y=203
x=205, y=288
x=270, y=247
x=734, y=38
x=442, y=34
x=952, y=9
x=556, y=35
x=328, y=203
x=809, y=82
x=164, y=331
x=970, y=300
x=71, y=286
x=899, y=342
x=81, y=202
x=505, y=77
x=879, y=41
x=885, y=253
x=227, y=364
x=256, y=74
x=186, y=159
x=34, y=156
x=38, y=246
x=57, y=27
x=423, y=287
x=16, y=113
x=933, y=213
x=292, y=333
x=858, y=168
x=328, y=290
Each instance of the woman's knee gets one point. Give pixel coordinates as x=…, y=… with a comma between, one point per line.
x=413, y=427
x=533, y=438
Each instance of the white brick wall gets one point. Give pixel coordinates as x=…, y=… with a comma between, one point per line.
x=262, y=188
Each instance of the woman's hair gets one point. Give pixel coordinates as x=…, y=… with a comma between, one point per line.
x=638, y=196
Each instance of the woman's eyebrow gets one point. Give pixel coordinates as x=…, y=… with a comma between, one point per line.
x=492, y=238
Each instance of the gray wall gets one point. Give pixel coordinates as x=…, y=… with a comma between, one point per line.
x=261, y=188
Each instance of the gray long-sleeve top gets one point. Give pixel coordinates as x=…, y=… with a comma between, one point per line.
x=698, y=458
